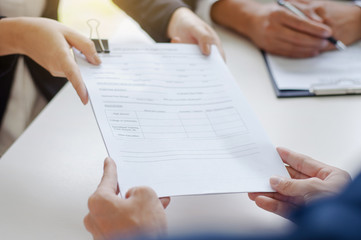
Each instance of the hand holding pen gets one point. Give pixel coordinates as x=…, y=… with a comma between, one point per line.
x=338, y=44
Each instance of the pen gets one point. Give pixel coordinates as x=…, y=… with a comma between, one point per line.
x=339, y=45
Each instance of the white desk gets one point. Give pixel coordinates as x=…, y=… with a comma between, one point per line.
x=49, y=173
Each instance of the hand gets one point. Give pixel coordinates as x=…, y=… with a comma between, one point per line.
x=273, y=28
x=111, y=216
x=186, y=27
x=310, y=180
x=48, y=43
x=343, y=18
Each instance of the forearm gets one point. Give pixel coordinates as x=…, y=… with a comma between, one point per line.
x=235, y=14
x=10, y=29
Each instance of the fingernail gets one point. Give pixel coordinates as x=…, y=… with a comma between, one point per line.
x=275, y=181
x=96, y=59
x=84, y=96
x=207, y=49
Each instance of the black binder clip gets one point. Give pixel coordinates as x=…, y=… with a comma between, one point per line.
x=101, y=45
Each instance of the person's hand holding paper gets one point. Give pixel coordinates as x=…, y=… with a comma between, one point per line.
x=109, y=215
x=48, y=43
x=175, y=120
x=186, y=27
x=310, y=180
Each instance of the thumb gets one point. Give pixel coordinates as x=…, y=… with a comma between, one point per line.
x=141, y=193
x=293, y=187
x=109, y=182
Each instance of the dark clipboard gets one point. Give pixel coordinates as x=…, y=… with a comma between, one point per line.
x=305, y=93
x=285, y=93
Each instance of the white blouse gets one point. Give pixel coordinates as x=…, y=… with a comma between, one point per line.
x=25, y=100
x=17, y=8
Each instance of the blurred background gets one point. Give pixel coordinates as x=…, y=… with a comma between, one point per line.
x=108, y=14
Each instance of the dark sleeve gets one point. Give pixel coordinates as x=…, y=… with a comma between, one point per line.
x=7, y=71
x=335, y=218
x=51, y=9
x=338, y=217
x=152, y=15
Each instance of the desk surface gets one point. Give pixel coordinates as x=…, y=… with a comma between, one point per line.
x=49, y=173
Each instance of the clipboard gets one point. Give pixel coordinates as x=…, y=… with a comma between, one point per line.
x=337, y=88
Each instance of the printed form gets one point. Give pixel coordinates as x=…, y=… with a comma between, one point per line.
x=176, y=121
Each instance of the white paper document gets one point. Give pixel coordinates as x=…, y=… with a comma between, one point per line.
x=176, y=121
x=332, y=68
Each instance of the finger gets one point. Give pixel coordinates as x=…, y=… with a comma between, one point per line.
x=304, y=25
x=254, y=195
x=72, y=73
x=277, y=196
x=218, y=43
x=175, y=40
x=312, y=15
x=296, y=174
x=301, y=39
x=85, y=45
x=204, y=39
x=165, y=201
x=203, y=47
x=109, y=182
x=275, y=206
x=299, y=1
x=206, y=43
x=283, y=43
x=295, y=54
x=141, y=193
x=87, y=223
x=307, y=10
x=91, y=227
x=329, y=47
x=321, y=11
x=301, y=163
x=295, y=187
x=290, y=50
